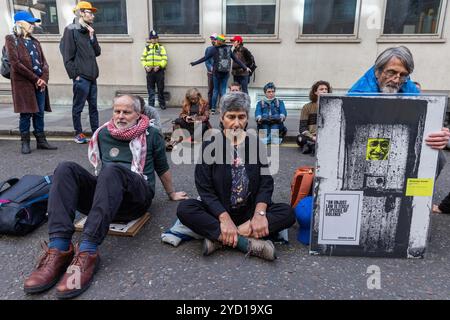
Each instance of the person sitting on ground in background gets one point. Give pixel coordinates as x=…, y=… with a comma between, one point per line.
x=308, y=118
x=222, y=55
x=130, y=151
x=151, y=113
x=194, y=111
x=234, y=87
x=235, y=207
x=270, y=115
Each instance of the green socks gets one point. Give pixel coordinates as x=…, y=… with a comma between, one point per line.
x=242, y=244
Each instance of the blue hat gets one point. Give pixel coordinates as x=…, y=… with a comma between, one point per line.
x=303, y=212
x=153, y=34
x=25, y=16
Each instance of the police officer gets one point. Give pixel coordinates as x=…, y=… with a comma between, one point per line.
x=154, y=61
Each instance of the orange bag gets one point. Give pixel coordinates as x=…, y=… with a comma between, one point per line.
x=301, y=185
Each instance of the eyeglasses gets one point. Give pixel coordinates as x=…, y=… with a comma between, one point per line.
x=88, y=12
x=391, y=74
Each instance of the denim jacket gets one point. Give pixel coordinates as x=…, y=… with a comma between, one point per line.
x=276, y=109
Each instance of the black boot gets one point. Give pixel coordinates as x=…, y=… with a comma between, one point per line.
x=25, y=138
x=41, y=141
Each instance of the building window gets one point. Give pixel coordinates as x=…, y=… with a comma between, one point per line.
x=329, y=17
x=251, y=17
x=175, y=17
x=407, y=17
x=111, y=17
x=41, y=9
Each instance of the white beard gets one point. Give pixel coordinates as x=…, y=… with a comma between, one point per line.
x=389, y=89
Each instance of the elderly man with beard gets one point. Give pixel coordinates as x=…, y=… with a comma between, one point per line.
x=391, y=74
x=130, y=151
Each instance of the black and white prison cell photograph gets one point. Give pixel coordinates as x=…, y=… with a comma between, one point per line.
x=375, y=175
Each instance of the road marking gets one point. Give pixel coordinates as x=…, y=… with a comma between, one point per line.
x=17, y=138
x=53, y=138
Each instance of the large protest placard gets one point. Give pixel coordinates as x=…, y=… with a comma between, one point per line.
x=375, y=175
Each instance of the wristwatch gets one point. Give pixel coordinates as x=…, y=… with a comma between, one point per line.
x=261, y=213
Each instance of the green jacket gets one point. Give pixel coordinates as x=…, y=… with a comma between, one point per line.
x=117, y=151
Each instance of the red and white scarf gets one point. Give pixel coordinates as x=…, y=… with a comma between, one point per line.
x=137, y=135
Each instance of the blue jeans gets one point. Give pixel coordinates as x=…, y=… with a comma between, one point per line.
x=272, y=124
x=243, y=81
x=220, y=87
x=38, y=117
x=84, y=90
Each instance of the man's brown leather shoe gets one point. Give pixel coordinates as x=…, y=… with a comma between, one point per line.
x=49, y=270
x=79, y=275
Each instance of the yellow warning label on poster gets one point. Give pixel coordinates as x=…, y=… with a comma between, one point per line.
x=419, y=187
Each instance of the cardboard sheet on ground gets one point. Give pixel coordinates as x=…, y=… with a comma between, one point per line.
x=128, y=229
x=375, y=175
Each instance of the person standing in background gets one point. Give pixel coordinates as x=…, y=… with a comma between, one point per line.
x=29, y=78
x=154, y=61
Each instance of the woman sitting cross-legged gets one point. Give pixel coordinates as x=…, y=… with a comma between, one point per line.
x=195, y=112
x=235, y=187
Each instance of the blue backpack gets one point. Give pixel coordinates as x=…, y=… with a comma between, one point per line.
x=23, y=205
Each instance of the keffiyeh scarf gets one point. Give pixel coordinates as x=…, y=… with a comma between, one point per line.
x=137, y=135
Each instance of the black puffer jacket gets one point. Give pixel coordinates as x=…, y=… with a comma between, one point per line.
x=79, y=52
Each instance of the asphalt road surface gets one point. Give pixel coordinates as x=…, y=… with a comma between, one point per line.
x=144, y=268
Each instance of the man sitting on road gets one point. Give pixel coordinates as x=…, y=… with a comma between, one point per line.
x=130, y=151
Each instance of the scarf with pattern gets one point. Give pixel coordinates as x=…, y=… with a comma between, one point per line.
x=136, y=135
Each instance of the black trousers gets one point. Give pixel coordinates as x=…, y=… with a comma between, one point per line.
x=117, y=194
x=210, y=87
x=189, y=126
x=194, y=215
x=156, y=78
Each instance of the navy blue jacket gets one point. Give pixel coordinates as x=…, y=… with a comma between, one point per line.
x=214, y=53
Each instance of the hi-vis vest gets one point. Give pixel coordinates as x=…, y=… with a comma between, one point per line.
x=154, y=55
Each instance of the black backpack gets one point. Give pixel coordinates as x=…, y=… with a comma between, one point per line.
x=61, y=42
x=223, y=63
x=23, y=205
x=5, y=68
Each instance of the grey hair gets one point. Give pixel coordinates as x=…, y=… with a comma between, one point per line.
x=136, y=103
x=17, y=29
x=235, y=101
x=402, y=53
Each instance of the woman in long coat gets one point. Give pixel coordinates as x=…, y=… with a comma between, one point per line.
x=29, y=78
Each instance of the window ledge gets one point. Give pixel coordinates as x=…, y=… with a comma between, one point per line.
x=261, y=39
x=181, y=39
x=111, y=38
x=397, y=39
x=327, y=40
x=48, y=37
